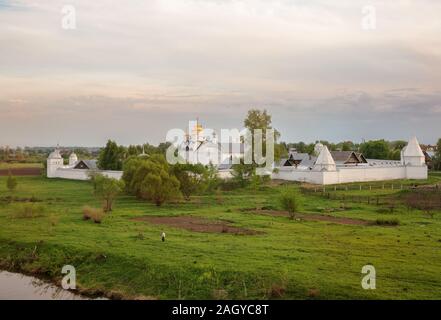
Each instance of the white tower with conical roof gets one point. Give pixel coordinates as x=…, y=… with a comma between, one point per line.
x=54, y=161
x=73, y=159
x=412, y=155
x=325, y=162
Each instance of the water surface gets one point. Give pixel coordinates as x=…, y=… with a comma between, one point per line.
x=21, y=287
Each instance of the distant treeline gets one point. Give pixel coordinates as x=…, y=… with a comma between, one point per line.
x=374, y=149
x=39, y=154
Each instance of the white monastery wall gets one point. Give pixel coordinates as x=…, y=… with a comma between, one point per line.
x=352, y=174
x=416, y=172
x=82, y=174
x=364, y=174
x=292, y=174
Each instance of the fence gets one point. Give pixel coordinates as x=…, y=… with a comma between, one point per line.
x=390, y=200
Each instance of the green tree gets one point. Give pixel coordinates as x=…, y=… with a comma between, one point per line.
x=398, y=145
x=331, y=146
x=107, y=189
x=162, y=147
x=257, y=119
x=290, y=201
x=299, y=146
x=375, y=149
x=243, y=173
x=257, y=181
x=11, y=182
x=394, y=154
x=191, y=178
x=160, y=187
x=134, y=150
x=111, y=157
x=211, y=179
x=437, y=157
x=92, y=175
x=136, y=168
x=151, y=178
x=347, y=146
x=280, y=151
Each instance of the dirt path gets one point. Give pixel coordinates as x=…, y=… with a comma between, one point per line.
x=197, y=224
x=315, y=217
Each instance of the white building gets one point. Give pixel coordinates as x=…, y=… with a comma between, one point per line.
x=344, y=167
x=412, y=154
x=202, y=146
x=76, y=169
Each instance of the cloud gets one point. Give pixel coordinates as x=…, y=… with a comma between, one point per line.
x=177, y=59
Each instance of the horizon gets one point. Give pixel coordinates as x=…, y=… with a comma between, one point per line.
x=63, y=146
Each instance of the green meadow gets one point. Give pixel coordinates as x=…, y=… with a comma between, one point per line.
x=285, y=259
x=18, y=165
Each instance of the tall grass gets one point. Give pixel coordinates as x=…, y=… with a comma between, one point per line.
x=94, y=214
x=28, y=210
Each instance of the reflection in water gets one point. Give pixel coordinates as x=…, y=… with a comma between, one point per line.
x=20, y=287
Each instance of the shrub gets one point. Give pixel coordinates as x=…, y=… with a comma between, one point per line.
x=28, y=210
x=160, y=187
x=242, y=173
x=94, y=214
x=313, y=293
x=107, y=189
x=87, y=212
x=98, y=216
x=191, y=177
x=387, y=222
x=92, y=175
x=53, y=219
x=289, y=201
x=11, y=182
x=276, y=291
x=219, y=197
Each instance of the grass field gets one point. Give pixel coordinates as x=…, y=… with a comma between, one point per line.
x=6, y=165
x=288, y=259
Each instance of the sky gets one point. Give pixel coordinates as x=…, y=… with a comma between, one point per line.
x=132, y=70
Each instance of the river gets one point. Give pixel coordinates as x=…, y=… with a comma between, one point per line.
x=15, y=286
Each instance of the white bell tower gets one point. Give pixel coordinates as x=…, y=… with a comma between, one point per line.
x=54, y=161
